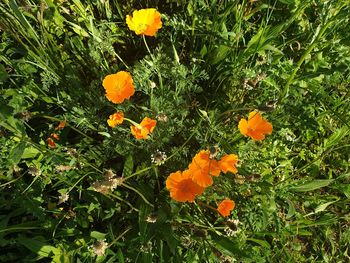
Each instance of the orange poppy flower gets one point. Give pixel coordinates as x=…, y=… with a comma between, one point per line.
x=119, y=86
x=255, y=127
x=225, y=207
x=228, y=163
x=144, y=22
x=202, y=168
x=182, y=188
x=146, y=127
x=115, y=119
x=51, y=142
x=61, y=125
x=55, y=136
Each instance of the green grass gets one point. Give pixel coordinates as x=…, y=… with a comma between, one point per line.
x=212, y=63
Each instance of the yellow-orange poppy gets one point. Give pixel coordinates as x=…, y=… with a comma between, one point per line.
x=51, y=142
x=146, y=127
x=203, y=168
x=228, y=163
x=115, y=119
x=119, y=86
x=225, y=207
x=182, y=188
x=61, y=125
x=144, y=22
x=255, y=127
x=55, y=136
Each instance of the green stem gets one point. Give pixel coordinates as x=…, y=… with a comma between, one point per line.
x=157, y=70
x=138, y=172
x=18, y=228
x=121, y=60
x=134, y=123
x=120, y=236
x=138, y=192
x=155, y=169
x=122, y=200
x=80, y=179
x=206, y=205
x=12, y=181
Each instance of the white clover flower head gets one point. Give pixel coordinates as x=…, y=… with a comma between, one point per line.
x=162, y=117
x=108, y=174
x=100, y=187
x=152, y=85
x=63, y=198
x=99, y=247
x=34, y=171
x=158, y=157
x=151, y=218
x=232, y=227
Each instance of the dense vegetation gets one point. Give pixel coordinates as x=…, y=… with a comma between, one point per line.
x=73, y=189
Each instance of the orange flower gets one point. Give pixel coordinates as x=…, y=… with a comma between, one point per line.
x=118, y=86
x=255, y=127
x=55, y=136
x=182, y=188
x=51, y=142
x=202, y=168
x=226, y=206
x=61, y=125
x=144, y=22
x=115, y=119
x=146, y=127
x=228, y=163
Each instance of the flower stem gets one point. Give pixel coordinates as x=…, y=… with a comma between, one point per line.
x=158, y=72
x=138, y=192
x=207, y=206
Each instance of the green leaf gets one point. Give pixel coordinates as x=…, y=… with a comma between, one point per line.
x=3, y=73
x=120, y=256
x=30, y=152
x=17, y=152
x=106, y=134
x=98, y=235
x=323, y=207
x=336, y=137
x=262, y=243
x=41, y=248
x=168, y=235
x=128, y=166
x=310, y=186
x=231, y=247
x=291, y=209
x=145, y=210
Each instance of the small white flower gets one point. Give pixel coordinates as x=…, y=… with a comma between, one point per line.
x=232, y=228
x=152, y=85
x=146, y=248
x=63, y=198
x=100, y=187
x=162, y=117
x=158, y=157
x=151, y=218
x=99, y=247
x=115, y=182
x=34, y=171
x=108, y=174
x=63, y=168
